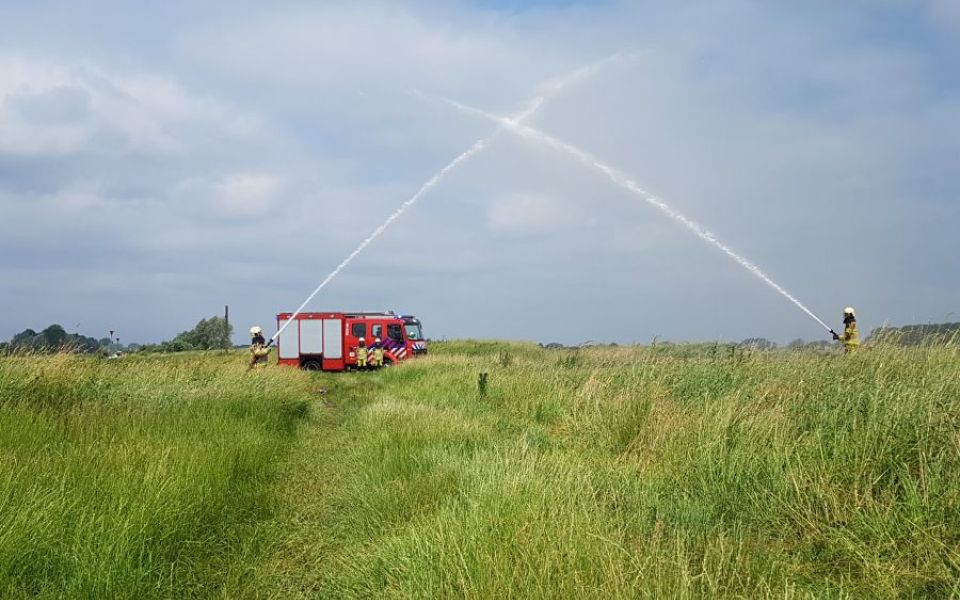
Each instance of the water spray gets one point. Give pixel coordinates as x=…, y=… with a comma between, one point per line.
x=628, y=184
x=549, y=89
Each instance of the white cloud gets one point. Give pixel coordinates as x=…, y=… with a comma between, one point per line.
x=50, y=107
x=231, y=196
x=249, y=193
x=945, y=13
x=522, y=214
x=382, y=45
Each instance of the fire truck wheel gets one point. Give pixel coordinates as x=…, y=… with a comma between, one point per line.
x=387, y=361
x=311, y=365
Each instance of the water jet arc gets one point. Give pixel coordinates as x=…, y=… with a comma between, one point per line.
x=625, y=182
x=551, y=88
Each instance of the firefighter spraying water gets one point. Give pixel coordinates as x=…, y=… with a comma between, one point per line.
x=258, y=348
x=850, y=338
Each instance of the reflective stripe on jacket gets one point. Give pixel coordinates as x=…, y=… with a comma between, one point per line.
x=850, y=338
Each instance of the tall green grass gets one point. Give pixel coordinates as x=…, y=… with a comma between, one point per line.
x=667, y=471
x=138, y=477
x=632, y=472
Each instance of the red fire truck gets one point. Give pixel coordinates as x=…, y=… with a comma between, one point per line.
x=327, y=341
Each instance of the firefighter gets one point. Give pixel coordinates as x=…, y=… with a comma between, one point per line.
x=850, y=338
x=377, y=353
x=362, y=354
x=258, y=348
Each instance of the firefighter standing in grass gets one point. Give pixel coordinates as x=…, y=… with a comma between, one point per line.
x=258, y=348
x=362, y=354
x=377, y=353
x=850, y=337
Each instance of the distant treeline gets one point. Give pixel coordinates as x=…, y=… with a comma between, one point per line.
x=215, y=333
x=209, y=334
x=753, y=343
x=936, y=334
x=53, y=338
x=917, y=335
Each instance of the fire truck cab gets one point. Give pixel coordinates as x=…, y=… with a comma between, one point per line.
x=327, y=341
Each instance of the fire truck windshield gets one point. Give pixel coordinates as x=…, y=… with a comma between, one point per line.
x=413, y=330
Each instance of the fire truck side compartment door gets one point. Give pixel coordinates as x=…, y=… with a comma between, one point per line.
x=289, y=341
x=311, y=336
x=332, y=338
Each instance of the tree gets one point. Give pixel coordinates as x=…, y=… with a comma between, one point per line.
x=55, y=336
x=83, y=343
x=24, y=339
x=917, y=335
x=757, y=344
x=209, y=334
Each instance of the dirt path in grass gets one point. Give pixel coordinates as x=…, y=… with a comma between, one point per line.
x=291, y=552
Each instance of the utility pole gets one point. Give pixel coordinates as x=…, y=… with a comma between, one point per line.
x=226, y=318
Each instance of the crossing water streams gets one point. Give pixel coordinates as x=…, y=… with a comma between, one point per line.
x=628, y=184
x=532, y=107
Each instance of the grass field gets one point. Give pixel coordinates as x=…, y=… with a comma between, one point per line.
x=137, y=478
x=604, y=472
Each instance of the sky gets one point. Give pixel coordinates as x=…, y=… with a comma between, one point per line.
x=157, y=164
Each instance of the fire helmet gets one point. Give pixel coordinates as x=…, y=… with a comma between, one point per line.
x=256, y=330
x=849, y=311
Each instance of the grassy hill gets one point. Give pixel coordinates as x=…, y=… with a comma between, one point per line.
x=600, y=472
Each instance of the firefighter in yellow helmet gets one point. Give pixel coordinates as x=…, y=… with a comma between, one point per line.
x=362, y=354
x=850, y=337
x=377, y=353
x=258, y=348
